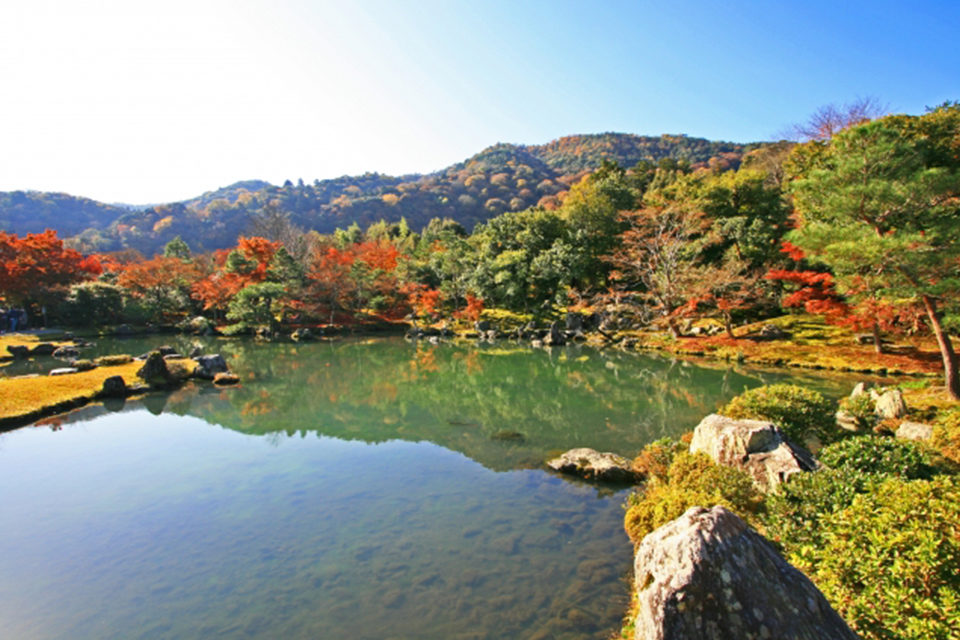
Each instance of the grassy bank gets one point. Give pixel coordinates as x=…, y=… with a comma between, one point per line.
x=31, y=397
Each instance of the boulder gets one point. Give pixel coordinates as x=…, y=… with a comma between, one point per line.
x=301, y=335
x=197, y=325
x=593, y=465
x=155, y=372
x=915, y=431
x=574, y=321
x=124, y=330
x=555, y=337
x=166, y=350
x=83, y=365
x=860, y=388
x=481, y=326
x=889, y=404
x=708, y=576
x=43, y=349
x=759, y=448
x=209, y=366
x=226, y=378
x=66, y=353
x=773, y=332
x=19, y=352
x=173, y=356
x=195, y=351
x=113, y=387
x=62, y=371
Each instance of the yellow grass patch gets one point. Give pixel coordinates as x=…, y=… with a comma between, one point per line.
x=27, y=340
x=26, y=396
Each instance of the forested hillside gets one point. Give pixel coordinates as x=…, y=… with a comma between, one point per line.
x=503, y=177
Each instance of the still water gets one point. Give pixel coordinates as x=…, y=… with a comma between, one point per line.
x=357, y=489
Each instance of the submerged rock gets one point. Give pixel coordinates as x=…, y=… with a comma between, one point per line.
x=709, y=576
x=226, y=378
x=66, y=352
x=759, y=448
x=301, y=335
x=594, y=465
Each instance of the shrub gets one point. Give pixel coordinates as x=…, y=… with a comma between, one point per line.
x=800, y=412
x=655, y=459
x=946, y=435
x=692, y=480
x=862, y=408
x=879, y=454
x=114, y=360
x=888, y=562
x=793, y=514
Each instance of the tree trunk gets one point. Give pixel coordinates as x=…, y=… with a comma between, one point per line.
x=728, y=325
x=877, y=340
x=674, y=329
x=951, y=380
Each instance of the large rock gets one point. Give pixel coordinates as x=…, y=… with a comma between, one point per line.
x=19, y=352
x=113, y=387
x=155, y=372
x=889, y=404
x=709, y=576
x=554, y=337
x=773, y=332
x=757, y=447
x=593, y=465
x=43, y=349
x=63, y=371
x=209, y=366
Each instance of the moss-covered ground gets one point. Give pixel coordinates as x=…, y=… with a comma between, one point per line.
x=28, y=397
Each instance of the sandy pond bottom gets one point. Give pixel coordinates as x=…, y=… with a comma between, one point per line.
x=133, y=525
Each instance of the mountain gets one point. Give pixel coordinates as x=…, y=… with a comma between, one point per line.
x=500, y=178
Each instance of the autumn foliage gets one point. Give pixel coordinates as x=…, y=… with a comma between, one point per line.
x=38, y=264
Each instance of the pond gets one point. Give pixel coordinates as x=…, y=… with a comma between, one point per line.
x=354, y=489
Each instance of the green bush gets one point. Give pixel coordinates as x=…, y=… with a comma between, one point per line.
x=655, y=459
x=862, y=408
x=799, y=412
x=879, y=454
x=946, y=435
x=888, y=562
x=793, y=515
x=692, y=480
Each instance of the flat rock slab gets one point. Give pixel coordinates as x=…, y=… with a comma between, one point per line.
x=594, y=465
x=915, y=431
x=708, y=576
x=62, y=371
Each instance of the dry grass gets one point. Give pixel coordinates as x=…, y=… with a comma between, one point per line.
x=27, y=396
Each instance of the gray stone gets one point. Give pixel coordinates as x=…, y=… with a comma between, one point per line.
x=481, y=326
x=226, y=378
x=574, y=321
x=113, y=387
x=759, y=448
x=209, y=366
x=890, y=404
x=709, y=576
x=196, y=351
x=166, y=350
x=173, y=356
x=860, y=388
x=593, y=465
x=62, y=371
x=66, y=353
x=915, y=431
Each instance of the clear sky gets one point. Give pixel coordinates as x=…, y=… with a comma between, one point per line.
x=156, y=101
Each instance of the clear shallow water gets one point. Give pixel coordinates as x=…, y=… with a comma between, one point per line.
x=370, y=489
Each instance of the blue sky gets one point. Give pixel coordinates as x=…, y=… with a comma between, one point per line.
x=132, y=101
